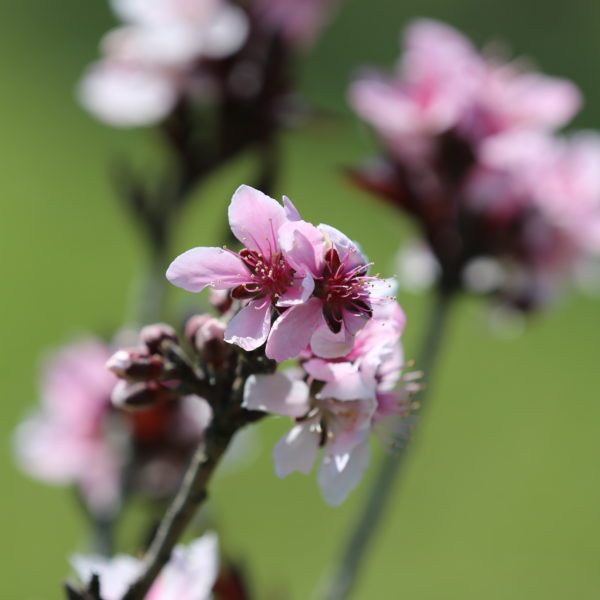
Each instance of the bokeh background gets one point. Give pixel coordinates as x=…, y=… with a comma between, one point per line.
x=500, y=499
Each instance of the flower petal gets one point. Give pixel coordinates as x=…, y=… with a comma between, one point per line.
x=201, y=267
x=296, y=450
x=250, y=327
x=291, y=332
x=344, y=380
x=303, y=245
x=349, y=252
x=291, y=212
x=298, y=293
x=255, y=219
x=276, y=394
x=340, y=473
x=326, y=344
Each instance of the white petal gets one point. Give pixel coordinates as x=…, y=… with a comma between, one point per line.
x=276, y=394
x=250, y=327
x=341, y=473
x=296, y=450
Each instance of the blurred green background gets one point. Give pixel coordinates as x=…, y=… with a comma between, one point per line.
x=500, y=499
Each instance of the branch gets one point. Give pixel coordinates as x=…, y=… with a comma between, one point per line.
x=191, y=495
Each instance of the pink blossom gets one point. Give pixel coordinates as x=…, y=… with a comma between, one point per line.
x=357, y=393
x=442, y=83
x=65, y=441
x=342, y=299
x=297, y=22
x=77, y=437
x=190, y=573
x=259, y=273
x=506, y=207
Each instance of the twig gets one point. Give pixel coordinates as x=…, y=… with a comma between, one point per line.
x=191, y=495
x=346, y=573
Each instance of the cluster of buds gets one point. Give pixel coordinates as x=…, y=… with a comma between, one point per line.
x=150, y=374
x=470, y=152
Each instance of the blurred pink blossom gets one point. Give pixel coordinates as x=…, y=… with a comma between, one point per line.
x=442, y=82
x=65, y=441
x=77, y=437
x=146, y=63
x=469, y=150
x=190, y=573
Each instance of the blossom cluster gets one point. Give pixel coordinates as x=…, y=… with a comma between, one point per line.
x=304, y=292
x=293, y=291
x=471, y=152
x=167, y=51
x=148, y=62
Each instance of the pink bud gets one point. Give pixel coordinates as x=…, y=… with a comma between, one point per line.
x=135, y=364
x=210, y=343
x=221, y=300
x=153, y=336
x=193, y=325
x=139, y=395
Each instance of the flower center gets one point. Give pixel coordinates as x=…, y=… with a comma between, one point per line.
x=270, y=277
x=342, y=289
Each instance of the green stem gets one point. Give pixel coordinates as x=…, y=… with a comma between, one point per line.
x=346, y=573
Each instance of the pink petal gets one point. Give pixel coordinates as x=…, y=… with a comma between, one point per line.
x=326, y=344
x=299, y=292
x=276, y=394
x=291, y=212
x=201, y=267
x=255, y=219
x=296, y=450
x=291, y=332
x=349, y=251
x=344, y=380
x=303, y=245
x=341, y=473
x=353, y=322
x=250, y=327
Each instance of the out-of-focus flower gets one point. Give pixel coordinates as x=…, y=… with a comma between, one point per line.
x=297, y=22
x=470, y=153
x=336, y=404
x=190, y=573
x=150, y=62
x=65, y=441
x=313, y=279
x=78, y=437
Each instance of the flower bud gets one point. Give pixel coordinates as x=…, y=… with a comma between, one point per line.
x=220, y=300
x=135, y=364
x=153, y=336
x=139, y=395
x=210, y=343
x=193, y=325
